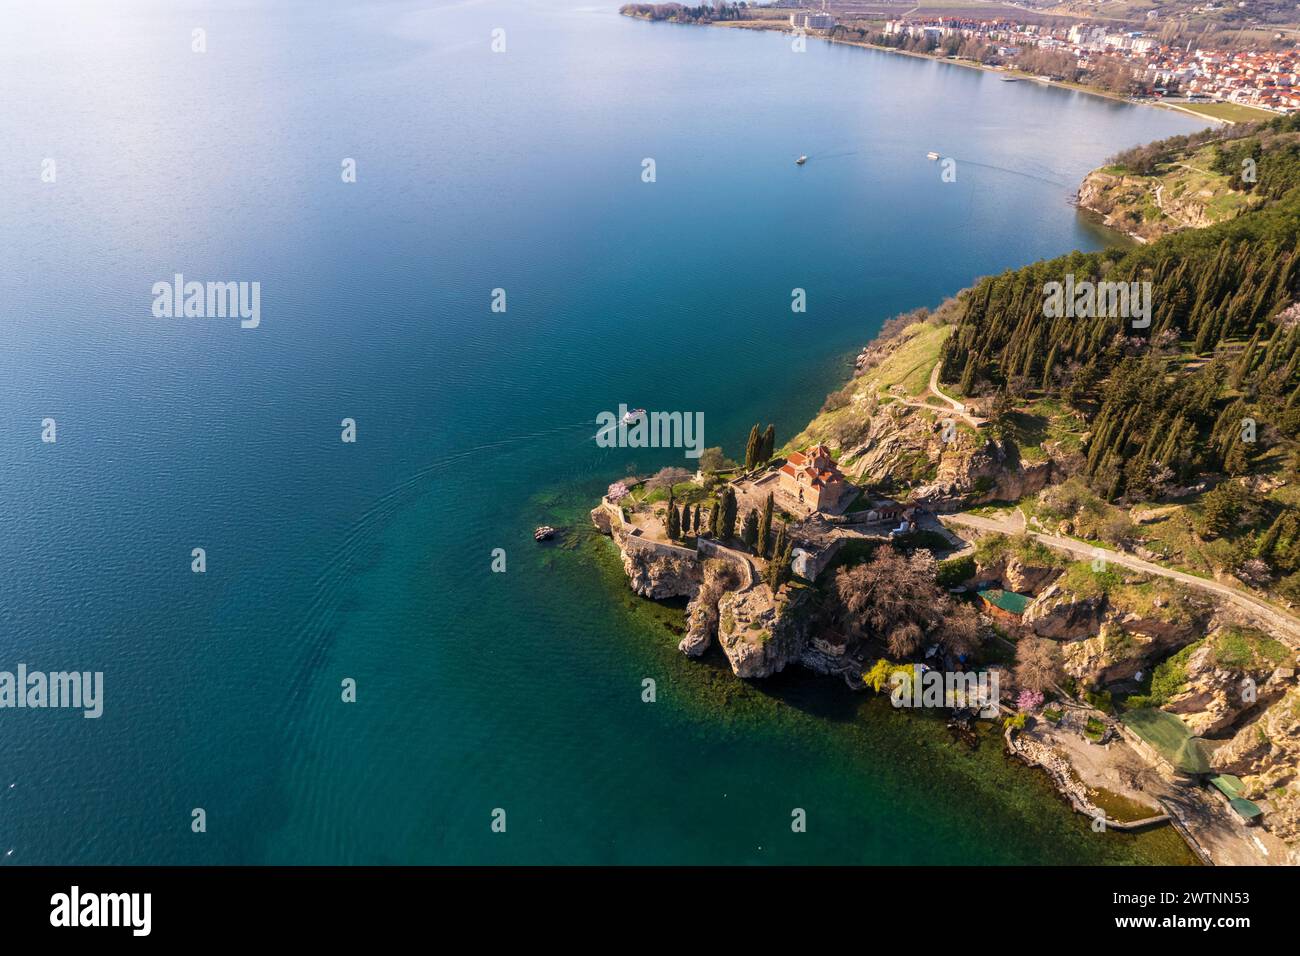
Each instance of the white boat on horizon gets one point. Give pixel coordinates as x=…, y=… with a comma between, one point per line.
x=801, y=160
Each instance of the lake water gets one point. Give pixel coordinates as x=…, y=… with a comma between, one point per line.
x=327, y=560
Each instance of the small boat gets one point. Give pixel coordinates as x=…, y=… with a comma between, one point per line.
x=932, y=155
x=634, y=415
x=544, y=533
x=801, y=160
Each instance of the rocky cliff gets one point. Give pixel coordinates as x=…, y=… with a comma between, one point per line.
x=762, y=634
x=1265, y=754
x=1112, y=633
x=1180, y=196
x=1219, y=689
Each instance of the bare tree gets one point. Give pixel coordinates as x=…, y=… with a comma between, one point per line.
x=1038, y=663
x=896, y=598
x=667, y=477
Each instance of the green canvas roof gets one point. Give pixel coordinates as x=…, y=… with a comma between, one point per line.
x=1170, y=738
x=1245, y=809
x=1007, y=600
x=1228, y=785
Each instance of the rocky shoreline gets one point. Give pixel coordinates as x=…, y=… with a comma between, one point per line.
x=1107, y=638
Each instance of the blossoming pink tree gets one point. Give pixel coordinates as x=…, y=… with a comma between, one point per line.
x=1029, y=700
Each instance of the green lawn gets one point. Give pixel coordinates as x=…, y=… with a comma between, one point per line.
x=1232, y=112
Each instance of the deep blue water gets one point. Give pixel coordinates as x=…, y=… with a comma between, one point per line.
x=476, y=170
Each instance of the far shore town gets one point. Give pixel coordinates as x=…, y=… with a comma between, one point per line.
x=1136, y=58
x=1266, y=79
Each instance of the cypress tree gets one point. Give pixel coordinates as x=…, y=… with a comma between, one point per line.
x=752, y=448
x=1242, y=368
x=765, y=526
x=769, y=443
x=774, y=565
x=674, y=525
x=967, y=375
x=695, y=520
x=728, y=514
x=749, y=530
x=783, y=566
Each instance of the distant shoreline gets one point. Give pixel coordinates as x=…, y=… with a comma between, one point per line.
x=776, y=26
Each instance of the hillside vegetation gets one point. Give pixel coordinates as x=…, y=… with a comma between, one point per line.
x=1201, y=403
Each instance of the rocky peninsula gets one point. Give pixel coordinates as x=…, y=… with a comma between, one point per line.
x=922, y=518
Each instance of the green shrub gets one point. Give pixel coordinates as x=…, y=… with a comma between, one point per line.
x=954, y=571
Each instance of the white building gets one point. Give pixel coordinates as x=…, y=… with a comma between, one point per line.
x=811, y=20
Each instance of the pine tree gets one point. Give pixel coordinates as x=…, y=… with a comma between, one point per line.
x=752, y=448
x=765, y=526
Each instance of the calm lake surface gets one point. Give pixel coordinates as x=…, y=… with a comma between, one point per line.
x=475, y=171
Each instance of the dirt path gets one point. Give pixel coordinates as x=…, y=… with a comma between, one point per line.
x=1283, y=624
x=955, y=405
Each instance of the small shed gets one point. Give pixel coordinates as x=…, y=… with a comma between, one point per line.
x=1007, y=605
x=1228, y=785
x=1246, y=809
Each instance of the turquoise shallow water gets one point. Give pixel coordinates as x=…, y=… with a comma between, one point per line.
x=327, y=560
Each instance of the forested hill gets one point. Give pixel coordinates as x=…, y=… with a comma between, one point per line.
x=1209, y=389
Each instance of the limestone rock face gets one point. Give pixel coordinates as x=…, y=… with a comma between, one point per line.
x=758, y=639
x=600, y=518
x=972, y=474
x=1108, y=656
x=1026, y=578
x=1149, y=207
x=702, y=612
x=659, y=573
x=1064, y=616
x=1214, y=698
x=1265, y=754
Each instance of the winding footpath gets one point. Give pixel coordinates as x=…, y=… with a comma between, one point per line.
x=956, y=406
x=1283, y=624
